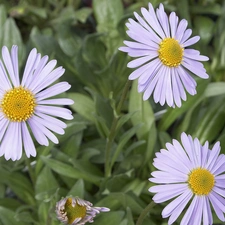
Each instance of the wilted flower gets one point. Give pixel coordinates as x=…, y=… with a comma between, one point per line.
x=164, y=62
x=28, y=102
x=77, y=211
x=190, y=173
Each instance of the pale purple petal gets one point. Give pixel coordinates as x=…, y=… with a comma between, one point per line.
x=173, y=19
x=157, y=95
x=167, y=192
x=180, y=85
x=191, y=41
x=151, y=84
x=38, y=134
x=5, y=83
x=150, y=70
x=163, y=19
x=30, y=65
x=213, y=156
x=138, y=62
x=137, y=45
x=51, y=119
x=168, y=93
x=14, y=57
x=217, y=206
x=152, y=20
x=56, y=101
x=38, y=123
x=189, y=54
x=27, y=141
x=53, y=90
x=11, y=146
x=153, y=35
x=179, y=202
x=9, y=65
x=3, y=124
x=175, y=89
x=187, y=216
x=37, y=80
x=181, y=29
x=49, y=125
x=186, y=35
x=55, y=111
x=179, y=208
x=39, y=64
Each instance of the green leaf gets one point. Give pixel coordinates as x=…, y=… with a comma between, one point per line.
x=143, y=113
x=10, y=203
x=130, y=220
x=8, y=217
x=123, y=141
x=212, y=122
x=67, y=14
x=43, y=212
x=72, y=145
x=69, y=41
x=94, y=51
x=124, y=199
x=136, y=186
x=19, y=184
x=11, y=36
x=110, y=218
x=68, y=171
x=40, y=12
x=44, y=151
x=83, y=14
x=214, y=9
x=3, y=16
x=205, y=27
x=83, y=105
x=164, y=138
x=45, y=182
x=214, y=89
x=78, y=189
x=107, y=12
x=25, y=217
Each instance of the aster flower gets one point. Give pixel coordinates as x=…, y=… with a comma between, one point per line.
x=77, y=211
x=190, y=173
x=27, y=104
x=164, y=63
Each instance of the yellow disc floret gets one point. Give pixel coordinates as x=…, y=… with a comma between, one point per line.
x=18, y=104
x=170, y=52
x=201, y=181
x=74, y=212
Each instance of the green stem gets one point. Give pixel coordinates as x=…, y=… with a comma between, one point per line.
x=112, y=132
x=144, y=213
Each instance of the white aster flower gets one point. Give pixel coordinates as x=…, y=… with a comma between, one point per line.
x=190, y=173
x=76, y=211
x=164, y=63
x=28, y=104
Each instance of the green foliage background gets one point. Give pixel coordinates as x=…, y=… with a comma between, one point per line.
x=84, y=37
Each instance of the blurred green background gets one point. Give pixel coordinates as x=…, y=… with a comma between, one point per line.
x=84, y=37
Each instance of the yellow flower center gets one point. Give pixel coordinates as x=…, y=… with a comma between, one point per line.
x=170, y=52
x=72, y=213
x=201, y=181
x=18, y=104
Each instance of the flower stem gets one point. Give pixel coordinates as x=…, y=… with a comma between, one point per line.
x=112, y=132
x=144, y=213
